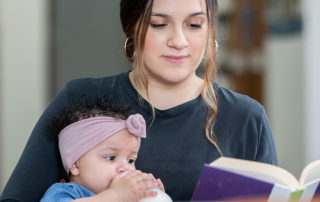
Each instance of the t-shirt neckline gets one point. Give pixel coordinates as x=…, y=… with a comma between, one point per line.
x=174, y=111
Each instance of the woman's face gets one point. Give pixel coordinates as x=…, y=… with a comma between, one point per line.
x=175, y=40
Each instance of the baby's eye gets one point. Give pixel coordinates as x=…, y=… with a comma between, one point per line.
x=131, y=161
x=110, y=158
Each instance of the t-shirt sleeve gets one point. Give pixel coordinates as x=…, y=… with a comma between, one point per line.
x=266, y=147
x=243, y=128
x=61, y=192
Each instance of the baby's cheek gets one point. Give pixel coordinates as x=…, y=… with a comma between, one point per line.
x=109, y=179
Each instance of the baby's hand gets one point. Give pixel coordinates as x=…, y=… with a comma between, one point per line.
x=160, y=185
x=134, y=185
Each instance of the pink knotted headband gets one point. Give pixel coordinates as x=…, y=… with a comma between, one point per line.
x=78, y=138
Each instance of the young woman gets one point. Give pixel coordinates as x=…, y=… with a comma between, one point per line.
x=191, y=120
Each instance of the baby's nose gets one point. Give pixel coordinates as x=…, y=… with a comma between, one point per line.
x=123, y=167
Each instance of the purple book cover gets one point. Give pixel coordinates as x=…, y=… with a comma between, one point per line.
x=220, y=184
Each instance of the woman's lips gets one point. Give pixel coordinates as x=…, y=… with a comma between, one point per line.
x=175, y=59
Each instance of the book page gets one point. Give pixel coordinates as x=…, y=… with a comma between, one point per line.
x=310, y=173
x=262, y=171
x=310, y=190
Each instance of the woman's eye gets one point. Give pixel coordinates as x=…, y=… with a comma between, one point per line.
x=131, y=161
x=158, y=26
x=110, y=158
x=194, y=26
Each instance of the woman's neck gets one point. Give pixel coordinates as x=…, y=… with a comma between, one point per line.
x=167, y=95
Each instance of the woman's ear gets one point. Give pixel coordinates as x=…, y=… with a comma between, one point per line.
x=74, y=170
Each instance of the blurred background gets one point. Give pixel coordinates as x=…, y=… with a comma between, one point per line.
x=268, y=49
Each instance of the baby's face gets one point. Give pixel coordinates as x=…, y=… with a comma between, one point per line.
x=113, y=156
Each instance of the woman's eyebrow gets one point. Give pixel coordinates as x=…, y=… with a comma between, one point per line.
x=167, y=16
x=197, y=13
x=160, y=15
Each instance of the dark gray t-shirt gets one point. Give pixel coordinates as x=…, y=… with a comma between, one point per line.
x=175, y=148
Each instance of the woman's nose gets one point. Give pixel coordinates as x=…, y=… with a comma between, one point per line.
x=177, y=38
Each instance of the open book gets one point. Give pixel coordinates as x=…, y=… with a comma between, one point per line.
x=235, y=179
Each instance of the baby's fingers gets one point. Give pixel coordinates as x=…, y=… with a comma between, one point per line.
x=140, y=176
x=148, y=193
x=160, y=185
x=148, y=184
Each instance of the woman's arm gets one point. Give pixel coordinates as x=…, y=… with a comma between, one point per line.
x=266, y=147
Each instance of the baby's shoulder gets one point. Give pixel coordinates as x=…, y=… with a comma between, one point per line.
x=70, y=190
x=63, y=187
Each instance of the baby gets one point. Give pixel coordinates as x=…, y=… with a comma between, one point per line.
x=99, y=143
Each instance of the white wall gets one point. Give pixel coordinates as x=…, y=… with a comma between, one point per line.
x=284, y=68
x=88, y=40
x=311, y=85
x=23, y=75
x=293, y=95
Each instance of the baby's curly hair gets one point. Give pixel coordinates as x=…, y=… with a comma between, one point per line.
x=102, y=106
x=88, y=107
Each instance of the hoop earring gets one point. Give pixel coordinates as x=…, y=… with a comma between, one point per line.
x=215, y=51
x=129, y=53
x=217, y=47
